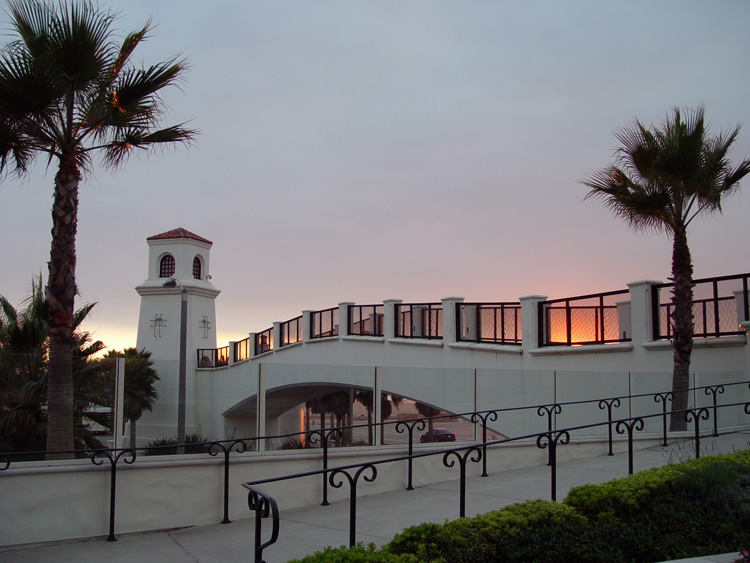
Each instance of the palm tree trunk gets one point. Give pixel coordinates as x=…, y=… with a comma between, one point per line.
x=61, y=290
x=682, y=327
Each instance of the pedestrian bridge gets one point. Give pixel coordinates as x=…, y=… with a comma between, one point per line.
x=455, y=357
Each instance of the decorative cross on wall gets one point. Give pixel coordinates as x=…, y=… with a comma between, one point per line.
x=157, y=323
x=205, y=324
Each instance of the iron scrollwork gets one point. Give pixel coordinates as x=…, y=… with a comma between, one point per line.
x=97, y=458
x=549, y=410
x=629, y=426
x=697, y=415
x=551, y=439
x=474, y=454
x=662, y=397
x=609, y=404
x=238, y=446
x=713, y=390
x=263, y=506
x=323, y=436
x=483, y=418
x=352, y=492
x=409, y=426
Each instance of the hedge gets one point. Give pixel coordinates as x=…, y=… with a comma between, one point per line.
x=698, y=507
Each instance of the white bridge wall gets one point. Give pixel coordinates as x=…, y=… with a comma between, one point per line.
x=462, y=377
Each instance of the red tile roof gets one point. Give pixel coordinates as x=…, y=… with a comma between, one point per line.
x=179, y=233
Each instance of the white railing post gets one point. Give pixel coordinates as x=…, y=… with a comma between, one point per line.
x=530, y=321
x=344, y=318
x=450, y=335
x=389, y=317
x=641, y=310
x=306, y=325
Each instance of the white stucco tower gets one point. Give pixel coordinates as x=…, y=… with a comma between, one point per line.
x=177, y=318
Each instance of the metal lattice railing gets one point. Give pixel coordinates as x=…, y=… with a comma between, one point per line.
x=588, y=319
x=291, y=331
x=716, y=311
x=495, y=323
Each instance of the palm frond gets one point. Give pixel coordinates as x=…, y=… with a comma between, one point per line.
x=118, y=151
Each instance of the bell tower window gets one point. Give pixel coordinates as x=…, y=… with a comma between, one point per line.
x=197, y=268
x=166, y=266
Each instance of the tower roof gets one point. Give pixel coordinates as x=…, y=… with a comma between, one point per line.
x=179, y=233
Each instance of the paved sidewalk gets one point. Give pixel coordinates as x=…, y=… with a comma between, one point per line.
x=379, y=517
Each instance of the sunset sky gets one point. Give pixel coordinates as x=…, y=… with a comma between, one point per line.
x=361, y=151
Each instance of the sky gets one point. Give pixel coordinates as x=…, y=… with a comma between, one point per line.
x=363, y=151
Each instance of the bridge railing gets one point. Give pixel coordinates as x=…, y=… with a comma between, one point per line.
x=291, y=331
x=213, y=357
x=495, y=323
x=325, y=323
x=600, y=318
x=242, y=350
x=419, y=320
x=264, y=341
x=720, y=304
x=366, y=320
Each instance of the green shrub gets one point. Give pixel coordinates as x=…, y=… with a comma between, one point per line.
x=356, y=554
x=194, y=444
x=695, y=508
x=686, y=510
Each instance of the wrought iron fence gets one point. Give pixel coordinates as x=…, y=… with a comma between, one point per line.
x=419, y=320
x=264, y=341
x=213, y=357
x=242, y=350
x=459, y=456
x=588, y=319
x=291, y=331
x=495, y=323
x=324, y=323
x=366, y=320
x=716, y=311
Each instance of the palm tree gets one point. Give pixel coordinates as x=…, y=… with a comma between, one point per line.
x=427, y=411
x=23, y=370
x=139, y=392
x=24, y=337
x=68, y=90
x=663, y=178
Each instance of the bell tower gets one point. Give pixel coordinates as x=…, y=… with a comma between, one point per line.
x=177, y=318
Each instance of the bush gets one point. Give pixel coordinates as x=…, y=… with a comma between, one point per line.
x=695, y=508
x=194, y=444
x=356, y=554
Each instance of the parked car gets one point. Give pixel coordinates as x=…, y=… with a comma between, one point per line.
x=438, y=435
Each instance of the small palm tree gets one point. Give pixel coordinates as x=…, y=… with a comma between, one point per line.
x=663, y=178
x=139, y=392
x=24, y=337
x=68, y=90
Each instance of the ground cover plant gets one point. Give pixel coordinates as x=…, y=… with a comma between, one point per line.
x=698, y=507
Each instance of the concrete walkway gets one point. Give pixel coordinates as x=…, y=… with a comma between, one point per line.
x=379, y=517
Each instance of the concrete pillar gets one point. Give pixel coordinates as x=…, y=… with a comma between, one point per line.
x=344, y=317
x=641, y=310
x=530, y=321
x=389, y=317
x=449, y=319
x=306, y=325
